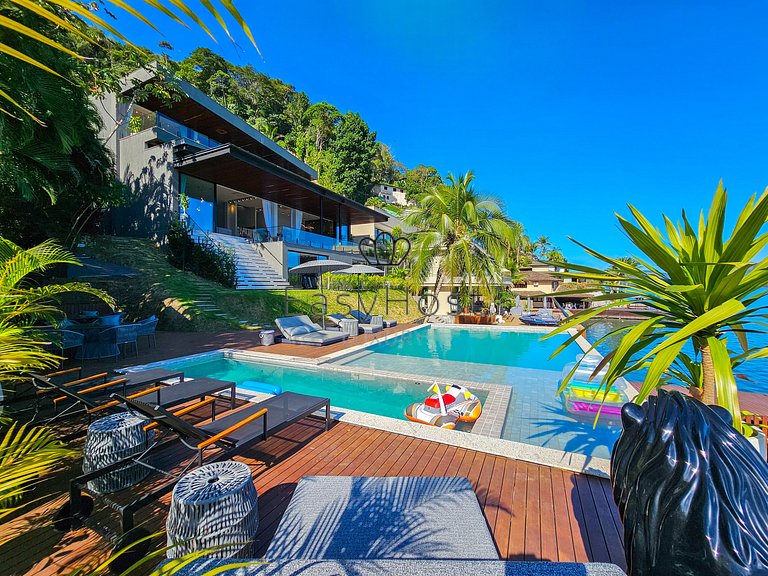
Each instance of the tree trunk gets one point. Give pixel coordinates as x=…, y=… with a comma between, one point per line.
x=708, y=390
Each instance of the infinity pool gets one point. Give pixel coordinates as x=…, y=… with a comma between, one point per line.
x=519, y=359
x=382, y=396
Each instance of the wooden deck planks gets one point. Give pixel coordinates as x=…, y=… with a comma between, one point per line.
x=534, y=512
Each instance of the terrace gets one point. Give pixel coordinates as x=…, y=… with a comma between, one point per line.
x=535, y=513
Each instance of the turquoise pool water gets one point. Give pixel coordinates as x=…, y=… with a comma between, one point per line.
x=383, y=396
x=486, y=346
x=518, y=359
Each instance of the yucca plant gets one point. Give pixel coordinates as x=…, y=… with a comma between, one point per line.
x=700, y=288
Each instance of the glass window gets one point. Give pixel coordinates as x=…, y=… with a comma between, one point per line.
x=294, y=259
x=202, y=197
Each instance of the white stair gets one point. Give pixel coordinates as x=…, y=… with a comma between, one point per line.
x=253, y=271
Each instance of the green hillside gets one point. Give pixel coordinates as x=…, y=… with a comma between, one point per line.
x=187, y=302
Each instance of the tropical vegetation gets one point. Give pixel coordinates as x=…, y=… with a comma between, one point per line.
x=702, y=289
x=340, y=146
x=32, y=22
x=28, y=452
x=462, y=236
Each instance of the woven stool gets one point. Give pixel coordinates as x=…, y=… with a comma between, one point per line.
x=109, y=440
x=214, y=507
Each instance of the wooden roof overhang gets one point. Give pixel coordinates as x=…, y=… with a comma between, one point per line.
x=233, y=167
x=197, y=111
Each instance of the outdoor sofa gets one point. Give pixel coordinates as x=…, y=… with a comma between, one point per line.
x=301, y=330
x=388, y=526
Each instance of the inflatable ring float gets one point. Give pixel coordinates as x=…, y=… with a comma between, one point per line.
x=445, y=409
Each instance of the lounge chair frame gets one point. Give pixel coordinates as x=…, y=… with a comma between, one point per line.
x=45, y=387
x=194, y=438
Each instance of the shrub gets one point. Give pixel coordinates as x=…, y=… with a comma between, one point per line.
x=365, y=282
x=206, y=259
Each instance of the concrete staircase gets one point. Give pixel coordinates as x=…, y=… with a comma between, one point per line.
x=253, y=271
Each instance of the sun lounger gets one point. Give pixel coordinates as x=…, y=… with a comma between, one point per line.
x=366, y=319
x=230, y=434
x=49, y=387
x=301, y=330
x=360, y=518
x=84, y=401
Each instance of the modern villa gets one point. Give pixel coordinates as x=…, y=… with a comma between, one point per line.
x=243, y=190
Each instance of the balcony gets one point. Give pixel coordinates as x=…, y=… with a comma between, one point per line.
x=299, y=237
x=165, y=129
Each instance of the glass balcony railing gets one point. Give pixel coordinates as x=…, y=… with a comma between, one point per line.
x=145, y=119
x=300, y=237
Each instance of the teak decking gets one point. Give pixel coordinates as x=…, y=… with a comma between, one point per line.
x=534, y=512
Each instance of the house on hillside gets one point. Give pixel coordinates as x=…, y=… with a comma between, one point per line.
x=390, y=194
x=193, y=158
x=539, y=281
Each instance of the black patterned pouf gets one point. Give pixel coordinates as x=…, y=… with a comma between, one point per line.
x=214, y=508
x=109, y=440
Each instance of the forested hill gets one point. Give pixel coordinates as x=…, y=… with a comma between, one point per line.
x=340, y=146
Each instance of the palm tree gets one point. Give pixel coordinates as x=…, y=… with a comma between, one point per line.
x=26, y=453
x=461, y=234
x=699, y=289
x=75, y=17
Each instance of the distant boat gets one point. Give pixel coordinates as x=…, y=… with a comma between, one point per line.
x=543, y=317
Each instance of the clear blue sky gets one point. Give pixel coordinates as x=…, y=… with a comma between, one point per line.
x=565, y=110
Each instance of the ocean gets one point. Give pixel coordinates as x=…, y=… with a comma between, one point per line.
x=754, y=373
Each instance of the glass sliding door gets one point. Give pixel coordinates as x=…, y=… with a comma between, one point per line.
x=202, y=201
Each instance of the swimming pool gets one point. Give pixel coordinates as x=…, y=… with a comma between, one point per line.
x=346, y=389
x=506, y=357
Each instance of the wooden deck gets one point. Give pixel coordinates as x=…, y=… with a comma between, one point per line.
x=175, y=344
x=534, y=512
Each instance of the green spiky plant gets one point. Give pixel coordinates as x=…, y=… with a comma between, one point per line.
x=700, y=288
x=28, y=452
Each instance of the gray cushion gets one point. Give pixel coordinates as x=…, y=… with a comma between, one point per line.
x=400, y=568
x=294, y=325
x=345, y=518
x=292, y=331
x=319, y=337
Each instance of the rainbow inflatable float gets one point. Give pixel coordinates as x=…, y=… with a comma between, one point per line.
x=444, y=410
x=585, y=398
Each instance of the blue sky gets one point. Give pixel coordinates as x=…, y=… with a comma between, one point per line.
x=565, y=110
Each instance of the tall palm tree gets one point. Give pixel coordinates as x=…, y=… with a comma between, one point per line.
x=460, y=234
x=699, y=287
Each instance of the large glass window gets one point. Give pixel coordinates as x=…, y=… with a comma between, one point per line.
x=202, y=199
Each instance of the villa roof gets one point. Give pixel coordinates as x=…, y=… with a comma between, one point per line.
x=537, y=276
x=201, y=113
x=529, y=293
x=587, y=290
x=234, y=167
